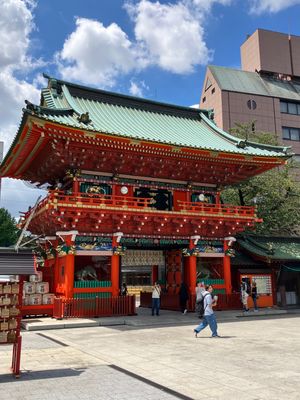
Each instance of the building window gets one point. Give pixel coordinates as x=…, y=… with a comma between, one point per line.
x=251, y=104
x=292, y=107
x=208, y=84
x=213, y=90
x=287, y=107
x=291, y=133
x=204, y=100
x=283, y=107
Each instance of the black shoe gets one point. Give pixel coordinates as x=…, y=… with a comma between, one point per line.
x=196, y=333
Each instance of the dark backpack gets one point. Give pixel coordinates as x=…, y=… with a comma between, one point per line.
x=247, y=287
x=200, y=305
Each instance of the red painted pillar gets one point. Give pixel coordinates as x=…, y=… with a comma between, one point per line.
x=75, y=186
x=186, y=266
x=115, y=270
x=192, y=269
x=69, y=258
x=154, y=274
x=69, y=275
x=227, y=270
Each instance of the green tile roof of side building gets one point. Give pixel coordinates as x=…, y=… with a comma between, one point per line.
x=271, y=248
x=236, y=80
x=120, y=115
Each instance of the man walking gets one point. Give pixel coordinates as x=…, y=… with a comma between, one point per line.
x=209, y=317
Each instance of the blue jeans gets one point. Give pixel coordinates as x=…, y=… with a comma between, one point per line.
x=254, y=302
x=155, y=306
x=208, y=320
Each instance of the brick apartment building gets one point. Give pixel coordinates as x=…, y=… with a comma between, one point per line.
x=265, y=90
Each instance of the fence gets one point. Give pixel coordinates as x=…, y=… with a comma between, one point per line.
x=94, y=307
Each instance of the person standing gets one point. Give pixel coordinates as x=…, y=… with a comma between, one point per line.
x=183, y=297
x=209, y=317
x=254, y=295
x=124, y=290
x=244, y=294
x=200, y=289
x=156, y=290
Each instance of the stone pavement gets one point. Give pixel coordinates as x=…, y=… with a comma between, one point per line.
x=255, y=359
x=142, y=319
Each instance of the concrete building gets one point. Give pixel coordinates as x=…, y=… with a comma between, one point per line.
x=266, y=90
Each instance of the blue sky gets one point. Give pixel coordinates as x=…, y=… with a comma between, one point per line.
x=155, y=49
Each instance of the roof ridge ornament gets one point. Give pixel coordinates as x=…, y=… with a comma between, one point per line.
x=84, y=118
x=32, y=107
x=242, y=144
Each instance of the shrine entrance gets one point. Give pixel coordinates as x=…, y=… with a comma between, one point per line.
x=141, y=268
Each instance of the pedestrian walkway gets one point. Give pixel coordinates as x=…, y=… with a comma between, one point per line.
x=252, y=360
x=53, y=372
x=142, y=319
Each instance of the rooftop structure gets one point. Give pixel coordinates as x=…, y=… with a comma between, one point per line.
x=266, y=91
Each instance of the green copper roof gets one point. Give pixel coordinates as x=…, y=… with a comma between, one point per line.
x=235, y=80
x=140, y=119
x=272, y=248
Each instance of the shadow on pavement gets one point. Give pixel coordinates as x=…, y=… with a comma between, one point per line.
x=219, y=338
x=47, y=374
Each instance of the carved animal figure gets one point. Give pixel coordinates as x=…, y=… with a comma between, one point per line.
x=204, y=273
x=86, y=273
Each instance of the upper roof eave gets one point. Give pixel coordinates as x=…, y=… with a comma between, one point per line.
x=233, y=139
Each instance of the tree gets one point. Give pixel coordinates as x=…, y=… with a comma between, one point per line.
x=8, y=229
x=276, y=193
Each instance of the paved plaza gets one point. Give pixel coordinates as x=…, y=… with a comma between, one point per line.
x=254, y=359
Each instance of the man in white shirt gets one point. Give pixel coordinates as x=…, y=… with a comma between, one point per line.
x=209, y=316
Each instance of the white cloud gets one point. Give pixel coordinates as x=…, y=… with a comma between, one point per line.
x=171, y=34
x=137, y=88
x=96, y=54
x=16, y=23
x=271, y=6
x=205, y=6
x=13, y=92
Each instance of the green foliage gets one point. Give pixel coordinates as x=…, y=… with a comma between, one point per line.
x=8, y=229
x=245, y=131
x=276, y=193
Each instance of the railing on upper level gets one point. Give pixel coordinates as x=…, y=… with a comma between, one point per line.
x=188, y=206
x=94, y=201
